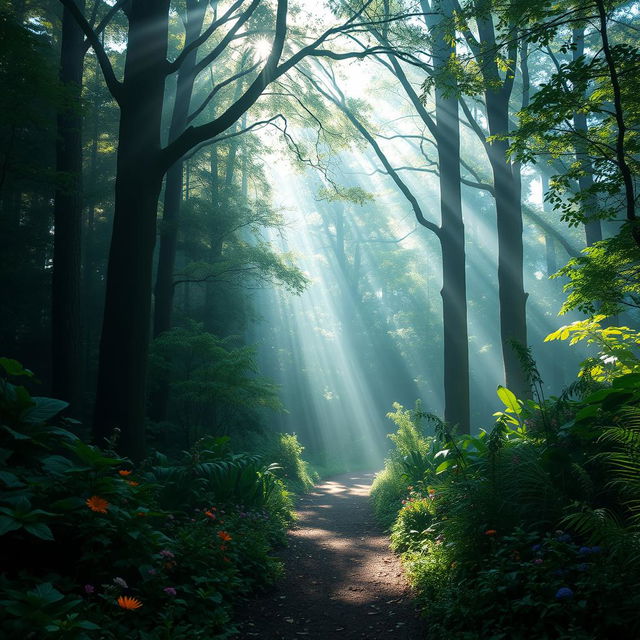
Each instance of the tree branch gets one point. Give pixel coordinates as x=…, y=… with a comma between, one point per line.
x=113, y=84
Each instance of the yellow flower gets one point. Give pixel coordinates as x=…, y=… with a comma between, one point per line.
x=97, y=504
x=125, y=602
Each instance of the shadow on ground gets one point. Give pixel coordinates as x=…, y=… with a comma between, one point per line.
x=341, y=580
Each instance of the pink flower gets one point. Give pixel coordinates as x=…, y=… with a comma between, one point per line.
x=170, y=591
x=165, y=553
x=89, y=589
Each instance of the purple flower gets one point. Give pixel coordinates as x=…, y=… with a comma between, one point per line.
x=152, y=572
x=170, y=591
x=89, y=589
x=564, y=593
x=165, y=553
x=537, y=561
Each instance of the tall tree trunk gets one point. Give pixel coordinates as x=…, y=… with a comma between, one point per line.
x=592, y=227
x=67, y=212
x=454, y=282
x=120, y=401
x=506, y=180
x=164, y=288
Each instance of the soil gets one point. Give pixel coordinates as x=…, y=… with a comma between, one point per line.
x=341, y=580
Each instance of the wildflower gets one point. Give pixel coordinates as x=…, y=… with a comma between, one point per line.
x=223, y=535
x=142, y=514
x=132, y=483
x=89, y=589
x=97, y=504
x=432, y=492
x=152, y=572
x=583, y=551
x=564, y=593
x=490, y=532
x=165, y=553
x=170, y=591
x=126, y=602
x=536, y=547
x=538, y=561
x=210, y=514
x=124, y=472
x=121, y=583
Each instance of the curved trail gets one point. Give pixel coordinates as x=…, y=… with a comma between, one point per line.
x=341, y=580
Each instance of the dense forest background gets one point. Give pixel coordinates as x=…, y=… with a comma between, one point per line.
x=231, y=232
x=306, y=202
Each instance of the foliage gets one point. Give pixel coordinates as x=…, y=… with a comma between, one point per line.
x=90, y=542
x=529, y=529
x=214, y=385
x=604, y=278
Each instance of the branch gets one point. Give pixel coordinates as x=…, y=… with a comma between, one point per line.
x=202, y=38
x=217, y=88
x=102, y=25
x=113, y=84
x=218, y=139
x=228, y=37
x=341, y=104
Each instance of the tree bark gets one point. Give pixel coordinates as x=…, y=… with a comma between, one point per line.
x=511, y=294
x=164, y=289
x=120, y=401
x=66, y=342
x=454, y=282
x=592, y=226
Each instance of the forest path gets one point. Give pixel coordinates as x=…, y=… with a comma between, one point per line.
x=341, y=580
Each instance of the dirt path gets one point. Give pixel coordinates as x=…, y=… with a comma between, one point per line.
x=341, y=580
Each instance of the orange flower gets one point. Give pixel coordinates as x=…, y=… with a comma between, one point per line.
x=223, y=535
x=132, y=483
x=490, y=532
x=125, y=602
x=97, y=504
x=125, y=472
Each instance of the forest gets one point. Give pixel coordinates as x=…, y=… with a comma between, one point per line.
x=320, y=319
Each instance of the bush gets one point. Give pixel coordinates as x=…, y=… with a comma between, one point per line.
x=91, y=543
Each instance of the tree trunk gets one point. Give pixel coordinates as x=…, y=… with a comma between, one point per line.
x=120, y=401
x=164, y=288
x=65, y=300
x=592, y=227
x=506, y=180
x=454, y=282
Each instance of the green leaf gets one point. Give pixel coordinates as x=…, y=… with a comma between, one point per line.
x=44, y=409
x=8, y=524
x=14, y=368
x=45, y=594
x=89, y=626
x=39, y=530
x=509, y=399
x=443, y=466
x=15, y=434
x=11, y=480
